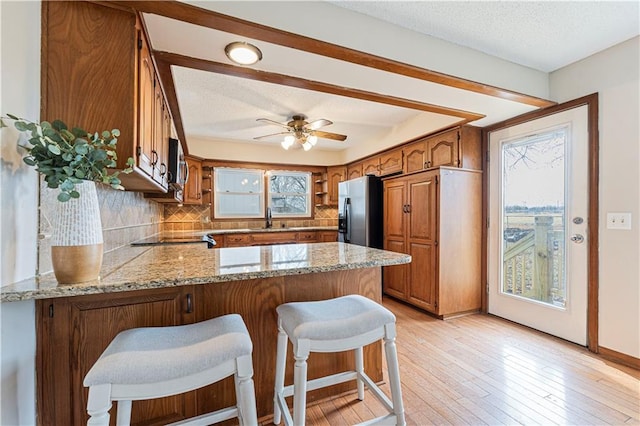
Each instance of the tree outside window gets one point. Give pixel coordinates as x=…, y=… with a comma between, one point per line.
x=289, y=193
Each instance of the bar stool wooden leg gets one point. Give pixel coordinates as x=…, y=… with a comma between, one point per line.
x=98, y=405
x=301, y=350
x=394, y=372
x=245, y=392
x=360, y=371
x=123, y=415
x=281, y=360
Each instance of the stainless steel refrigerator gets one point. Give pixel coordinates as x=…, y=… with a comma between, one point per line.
x=360, y=211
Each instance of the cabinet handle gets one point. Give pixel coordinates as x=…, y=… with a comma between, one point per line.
x=163, y=169
x=408, y=208
x=154, y=155
x=189, y=304
x=428, y=164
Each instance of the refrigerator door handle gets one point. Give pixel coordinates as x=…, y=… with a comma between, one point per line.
x=347, y=219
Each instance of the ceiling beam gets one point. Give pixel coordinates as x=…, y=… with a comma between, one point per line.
x=210, y=19
x=301, y=83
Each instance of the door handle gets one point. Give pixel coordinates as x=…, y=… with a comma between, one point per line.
x=577, y=238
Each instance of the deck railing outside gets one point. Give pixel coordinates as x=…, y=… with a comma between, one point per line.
x=533, y=261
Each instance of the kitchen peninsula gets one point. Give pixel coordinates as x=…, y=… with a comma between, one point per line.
x=179, y=284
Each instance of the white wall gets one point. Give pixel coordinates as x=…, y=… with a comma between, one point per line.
x=614, y=74
x=19, y=95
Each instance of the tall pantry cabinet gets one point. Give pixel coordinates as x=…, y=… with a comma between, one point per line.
x=435, y=216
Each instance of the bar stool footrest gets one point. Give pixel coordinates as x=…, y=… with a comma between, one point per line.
x=389, y=419
x=323, y=382
x=209, y=418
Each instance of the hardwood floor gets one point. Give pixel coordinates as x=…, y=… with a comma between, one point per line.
x=480, y=369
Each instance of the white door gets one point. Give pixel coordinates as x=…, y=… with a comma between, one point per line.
x=538, y=206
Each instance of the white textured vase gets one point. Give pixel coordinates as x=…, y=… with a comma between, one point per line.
x=76, y=241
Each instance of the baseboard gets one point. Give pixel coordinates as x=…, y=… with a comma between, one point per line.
x=619, y=357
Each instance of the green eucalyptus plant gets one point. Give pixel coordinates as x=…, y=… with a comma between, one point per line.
x=67, y=157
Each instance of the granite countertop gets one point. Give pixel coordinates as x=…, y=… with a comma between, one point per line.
x=145, y=267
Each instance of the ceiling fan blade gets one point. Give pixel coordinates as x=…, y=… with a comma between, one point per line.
x=328, y=135
x=316, y=124
x=272, y=134
x=266, y=120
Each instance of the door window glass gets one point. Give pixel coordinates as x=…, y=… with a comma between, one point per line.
x=533, y=217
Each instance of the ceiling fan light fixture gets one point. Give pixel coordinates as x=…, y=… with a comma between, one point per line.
x=288, y=141
x=313, y=140
x=243, y=53
x=307, y=146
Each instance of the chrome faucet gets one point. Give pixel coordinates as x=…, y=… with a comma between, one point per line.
x=269, y=223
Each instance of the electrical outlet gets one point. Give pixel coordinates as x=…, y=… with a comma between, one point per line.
x=619, y=220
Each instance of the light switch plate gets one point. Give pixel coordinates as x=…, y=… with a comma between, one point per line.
x=619, y=220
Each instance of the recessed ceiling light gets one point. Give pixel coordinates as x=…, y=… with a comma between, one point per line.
x=243, y=53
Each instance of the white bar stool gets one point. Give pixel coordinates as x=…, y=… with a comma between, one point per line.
x=334, y=325
x=154, y=362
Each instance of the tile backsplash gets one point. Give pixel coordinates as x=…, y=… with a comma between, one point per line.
x=197, y=218
x=126, y=217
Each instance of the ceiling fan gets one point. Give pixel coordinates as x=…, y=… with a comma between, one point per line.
x=301, y=131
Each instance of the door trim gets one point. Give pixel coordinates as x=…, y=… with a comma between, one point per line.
x=591, y=101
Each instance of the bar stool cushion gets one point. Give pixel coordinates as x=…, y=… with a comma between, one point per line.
x=339, y=318
x=170, y=352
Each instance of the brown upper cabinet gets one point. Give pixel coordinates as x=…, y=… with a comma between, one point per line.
x=335, y=175
x=391, y=162
x=103, y=83
x=459, y=147
x=354, y=171
x=371, y=166
x=193, y=187
x=385, y=164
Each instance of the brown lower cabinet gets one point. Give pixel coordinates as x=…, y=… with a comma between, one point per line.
x=327, y=236
x=73, y=332
x=279, y=237
x=435, y=216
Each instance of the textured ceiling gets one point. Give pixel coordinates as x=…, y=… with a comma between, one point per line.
x=544, y=35
x=219, y=110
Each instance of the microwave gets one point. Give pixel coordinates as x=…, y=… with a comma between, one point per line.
x=178, y=171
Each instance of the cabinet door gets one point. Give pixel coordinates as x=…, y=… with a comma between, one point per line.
x=422, y=240
x=327, y=236
x=391, y=162
x=415, y=157
x=334, y=176
x=146, y=96
x=444, y=149
x=307, y=237
x=193, y=187
x=354, y=171
x=395, y=277
x=157, y=155
x=164, y=146
x=74, y=331
x=371, y=166
x=237, y=240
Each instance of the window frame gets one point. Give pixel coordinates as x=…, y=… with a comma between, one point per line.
x=216, y=198
x=308, y=195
